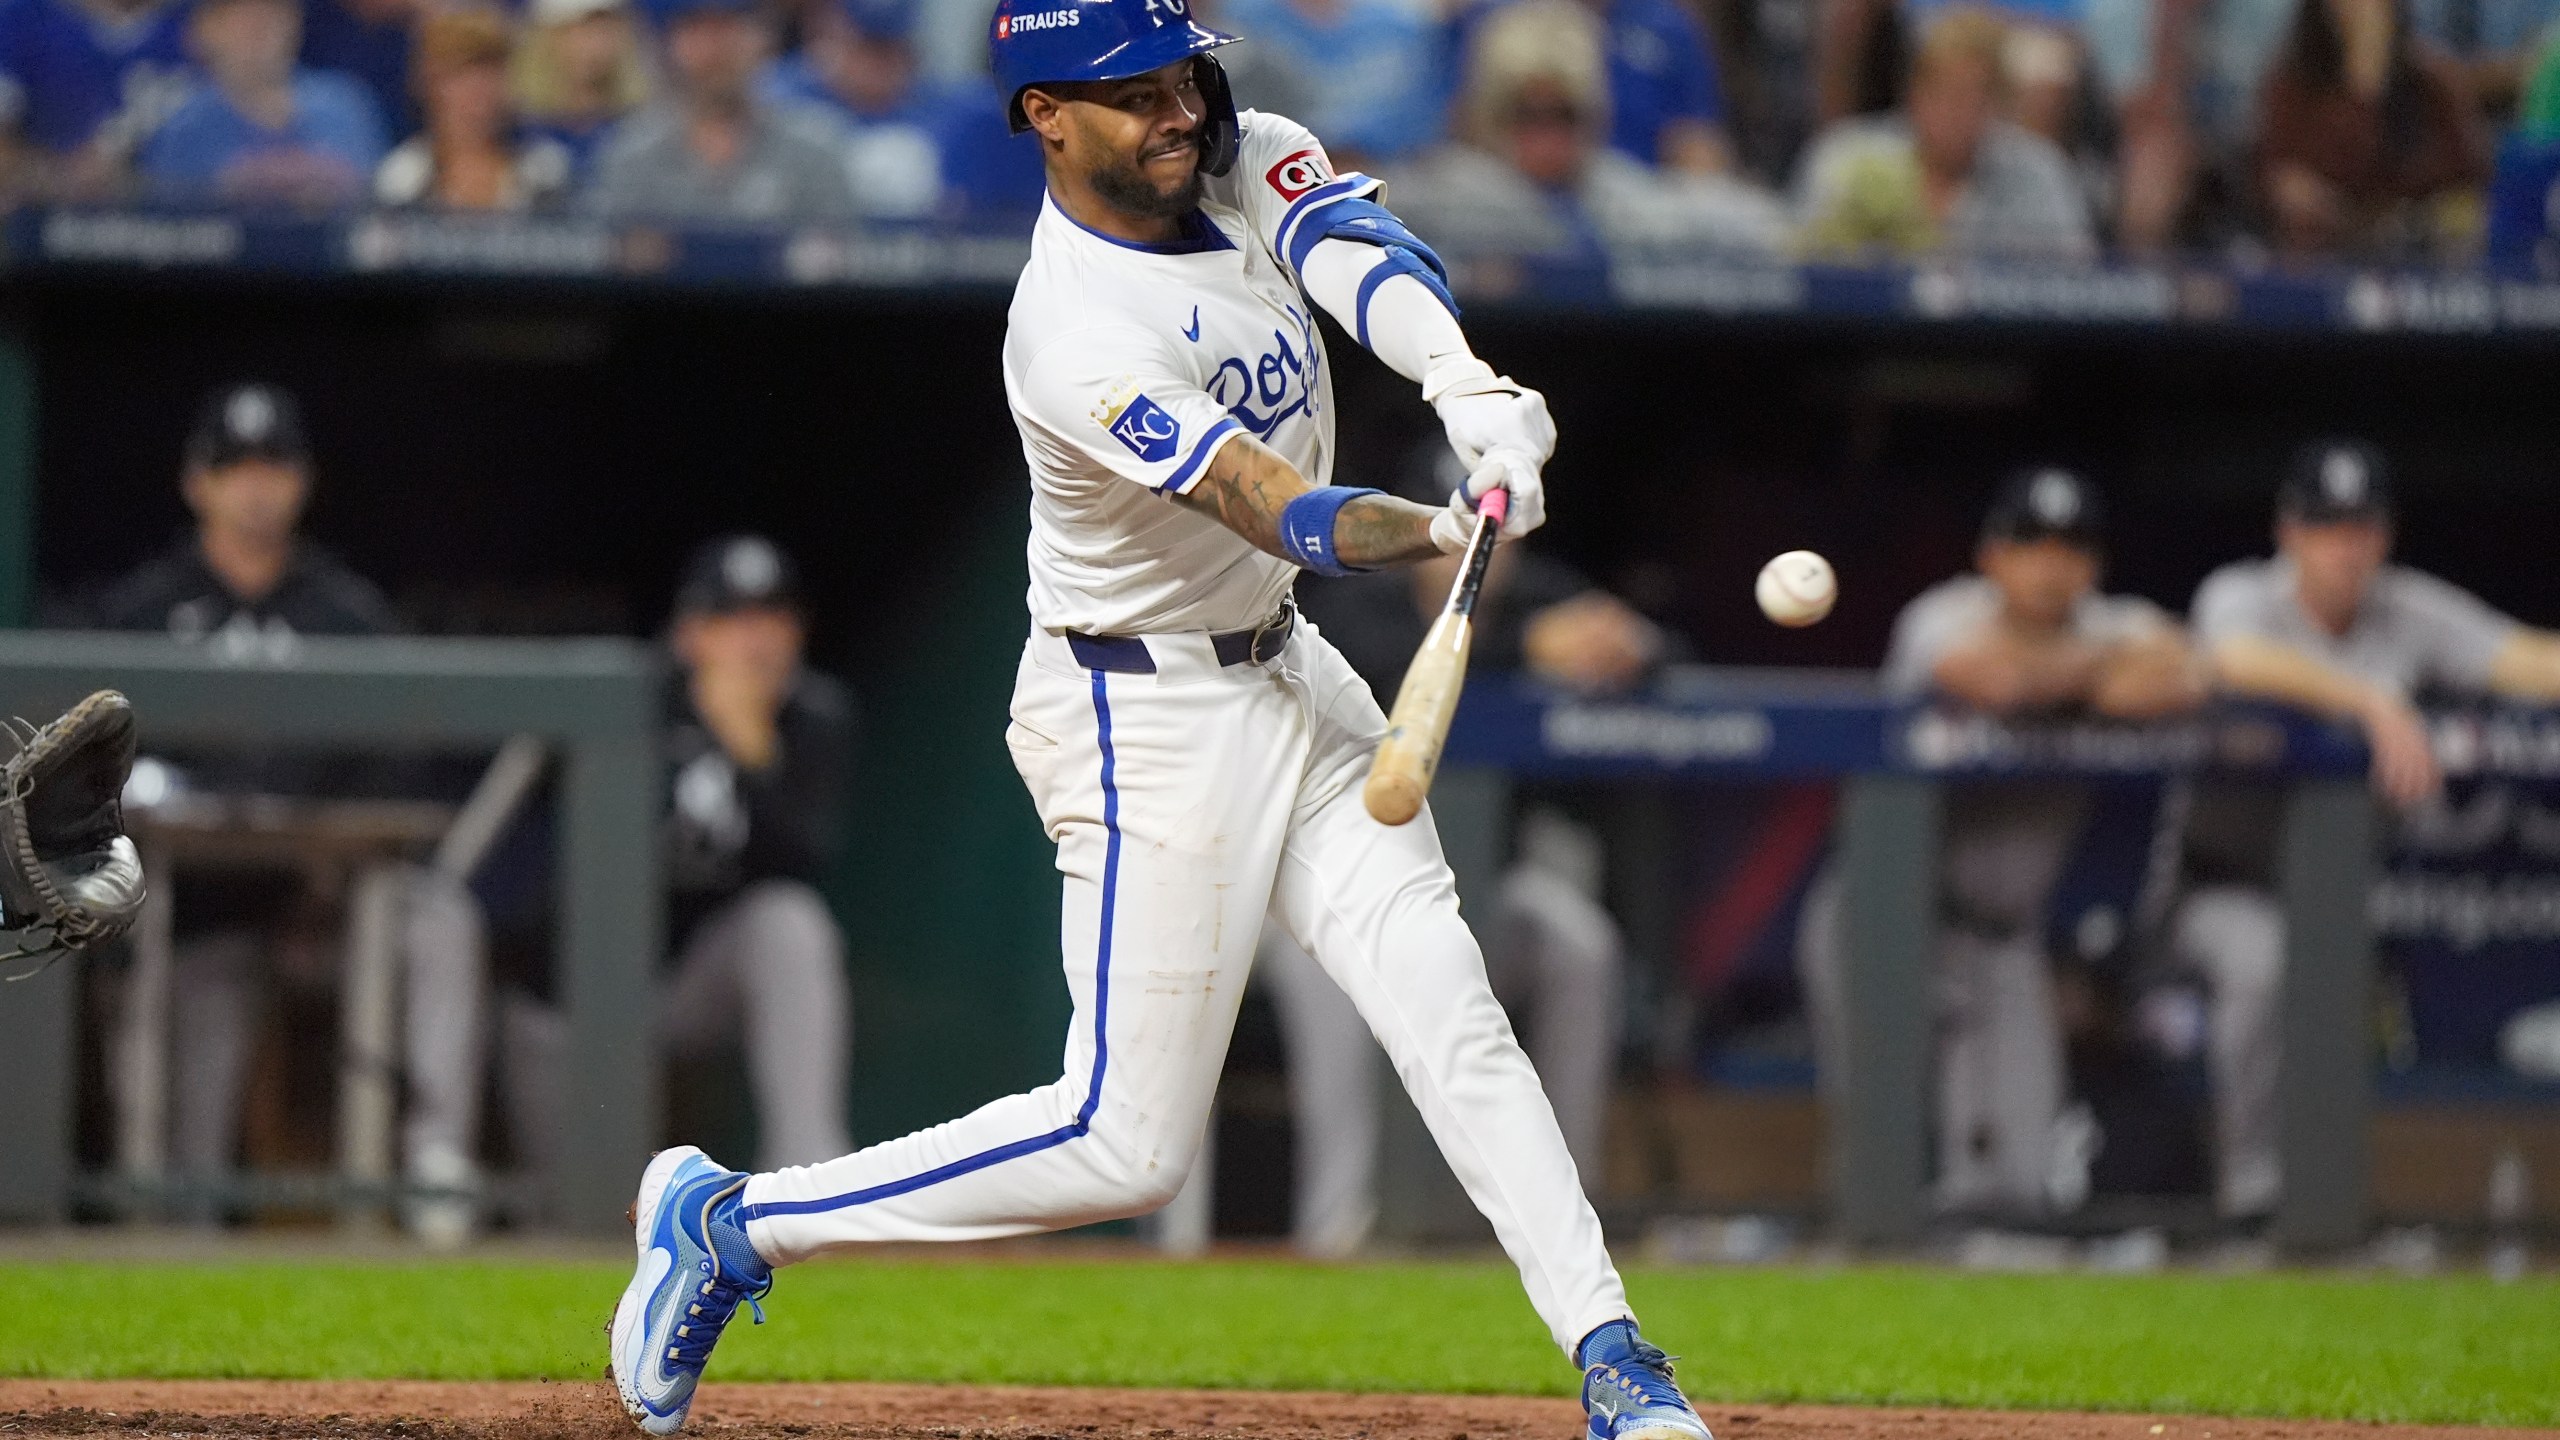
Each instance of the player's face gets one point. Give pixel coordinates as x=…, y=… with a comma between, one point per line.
x=2039, y=580
x=2335, y=563
x=1135, y=142
x=259, y=501
x=761, y=642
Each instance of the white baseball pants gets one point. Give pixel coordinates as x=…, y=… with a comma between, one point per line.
x=1554, y=953
x=1187, y=804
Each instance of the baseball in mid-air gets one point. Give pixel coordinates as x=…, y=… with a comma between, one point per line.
x=1796, y=588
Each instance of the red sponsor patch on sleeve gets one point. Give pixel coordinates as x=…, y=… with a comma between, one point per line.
x=1298, y=173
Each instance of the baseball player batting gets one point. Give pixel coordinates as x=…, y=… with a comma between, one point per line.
x=1195, y=748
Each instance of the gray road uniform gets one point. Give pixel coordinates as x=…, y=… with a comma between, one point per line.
x=2413, y=633
x=2000, y=1074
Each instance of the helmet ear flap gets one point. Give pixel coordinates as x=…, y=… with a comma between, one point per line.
x=1221, y=136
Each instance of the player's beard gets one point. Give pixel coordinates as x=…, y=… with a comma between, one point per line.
x=1124, y=186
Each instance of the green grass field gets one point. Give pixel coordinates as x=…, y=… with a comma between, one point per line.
x=2455, y=1350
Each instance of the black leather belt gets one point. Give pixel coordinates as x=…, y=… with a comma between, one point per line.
x=1128, y=654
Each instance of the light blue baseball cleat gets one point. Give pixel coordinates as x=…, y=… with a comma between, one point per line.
x=1627, y=1388
x=695, y=1267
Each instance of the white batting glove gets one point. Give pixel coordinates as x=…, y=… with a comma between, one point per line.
x=1500, y=470
x=1484, y=412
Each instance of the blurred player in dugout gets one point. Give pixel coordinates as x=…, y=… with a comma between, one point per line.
x=2327, y=624
x=758, y=746
x=246, y=584
x=2026, y=633
x=1553, y=952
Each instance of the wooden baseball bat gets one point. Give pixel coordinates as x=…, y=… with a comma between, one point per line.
x=1419, y=725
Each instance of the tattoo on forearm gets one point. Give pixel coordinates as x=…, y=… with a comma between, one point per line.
x=1246, y=486
x=1377, y=530
x=1244, y=489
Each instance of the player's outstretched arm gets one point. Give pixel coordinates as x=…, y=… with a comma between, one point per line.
x=1401, y=311
x=2150, y=677
x=1248, y=488
x=2527, y=666
x=2404, y=766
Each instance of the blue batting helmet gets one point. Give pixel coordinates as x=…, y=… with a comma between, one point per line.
x=1035, y=42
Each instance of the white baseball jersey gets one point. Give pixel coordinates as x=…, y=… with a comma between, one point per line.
x=1128, y=365
x=1190, y=798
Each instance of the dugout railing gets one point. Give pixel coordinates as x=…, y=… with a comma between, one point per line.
x=593, y=702
x=1895, y=764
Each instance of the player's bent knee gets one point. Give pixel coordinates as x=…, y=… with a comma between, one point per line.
x=1122, y=1184
x=2236, y=938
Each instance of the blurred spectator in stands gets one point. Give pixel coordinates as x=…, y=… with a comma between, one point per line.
x=1664, y=97
x=2524, y=188
x=2183, y=78
x=1765, y=51
x=2027, y=634
x=247, y=586
x=370, y=41
x=920, y=147
x=1364, y=74
x=1947, y=175
x=712, y=150
x=759, y=747
x=471, y=155
x=2494, y=43
x=1553, y=950
x=2043, y=63
x=1534, y=178
x=2538, y=112
x=581, y=68
x=2328, y=625
x=259, y=129
x=82, y=84
x=2369, y=143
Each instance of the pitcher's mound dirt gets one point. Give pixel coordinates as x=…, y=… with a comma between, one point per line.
x=585, y=1410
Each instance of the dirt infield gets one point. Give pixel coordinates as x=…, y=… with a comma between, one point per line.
x=580, y=1410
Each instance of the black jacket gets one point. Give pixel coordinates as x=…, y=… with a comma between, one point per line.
x=726, y=828
x=179, y=594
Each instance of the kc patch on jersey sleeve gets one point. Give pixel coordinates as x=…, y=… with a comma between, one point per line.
x=1147, y=428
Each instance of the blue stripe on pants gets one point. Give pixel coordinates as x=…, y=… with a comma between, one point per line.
x=1083, y=1123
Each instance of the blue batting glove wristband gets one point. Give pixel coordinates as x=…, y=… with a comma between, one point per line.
x=1306, y=528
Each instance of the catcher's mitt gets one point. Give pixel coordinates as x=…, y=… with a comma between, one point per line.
x=69, y=879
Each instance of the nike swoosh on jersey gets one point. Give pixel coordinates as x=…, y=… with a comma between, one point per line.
x=1193, y=334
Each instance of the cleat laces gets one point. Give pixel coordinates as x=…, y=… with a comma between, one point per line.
x=715, y=1302
x=1644, y=1376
